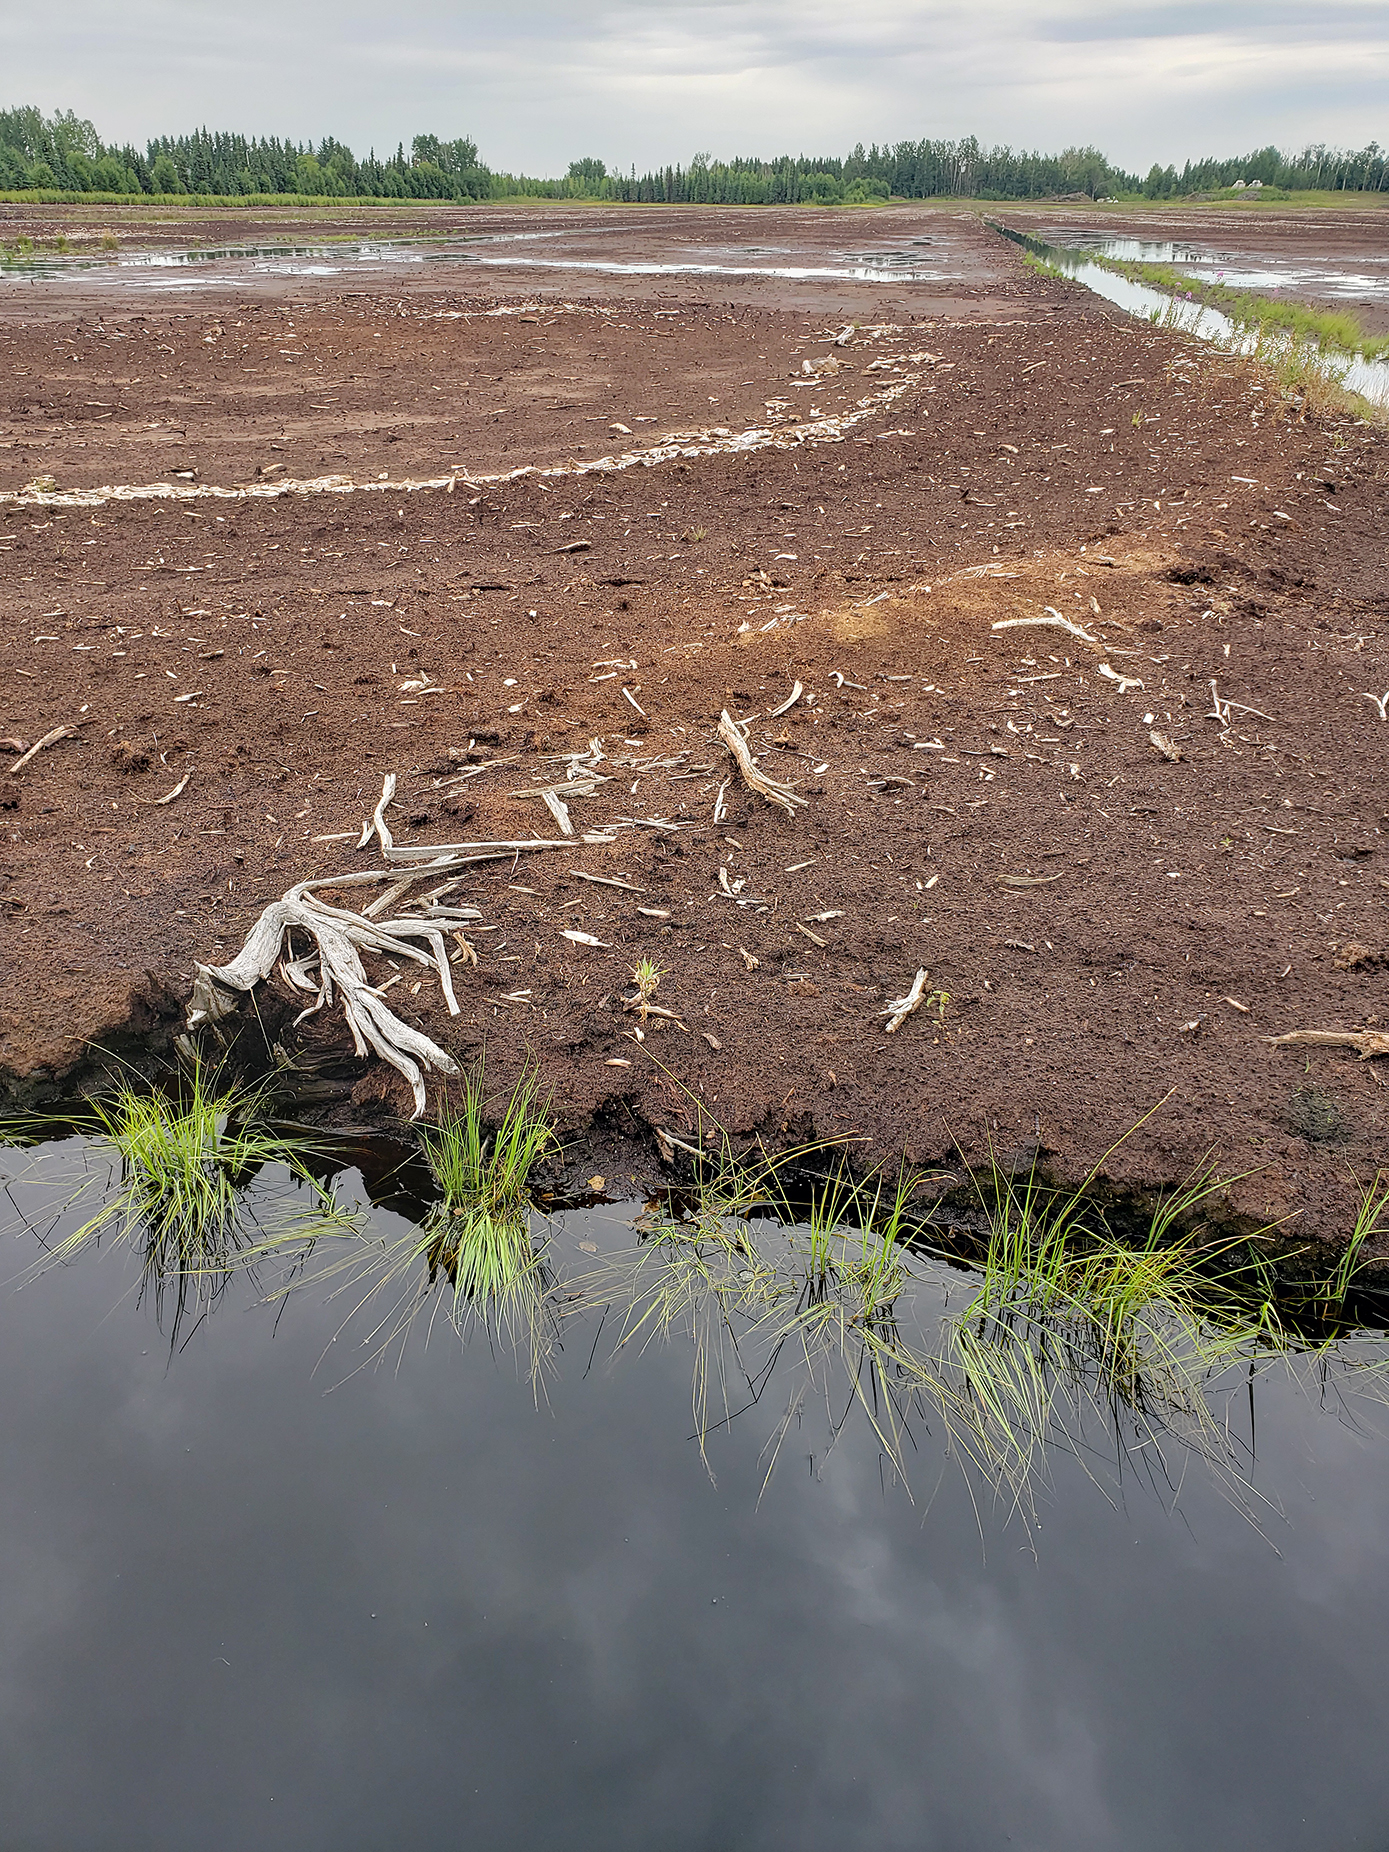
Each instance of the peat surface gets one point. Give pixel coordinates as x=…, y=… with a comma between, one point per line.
x=1111, y=926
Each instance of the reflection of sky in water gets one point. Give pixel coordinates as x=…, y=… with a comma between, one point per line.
x=1239, y=270
x=420, y=1612
x=1370, y=378
x=208, y=266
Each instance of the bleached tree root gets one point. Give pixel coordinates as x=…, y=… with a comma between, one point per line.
x=329, y=968
x=771, y=788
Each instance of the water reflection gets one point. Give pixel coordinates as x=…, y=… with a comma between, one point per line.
x=240, y=263
x=410, y=1608
x=1369, y=378
x=1238, y=270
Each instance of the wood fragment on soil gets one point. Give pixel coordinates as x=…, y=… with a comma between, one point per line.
x=1366, y=1042
x=338, y=937
x=49, y=739
x=1123, y=682
x=1164, y=745
x=1053, y=620
x=610, y=881
x=182, y=784
x=903, y=1007
x=771, y=788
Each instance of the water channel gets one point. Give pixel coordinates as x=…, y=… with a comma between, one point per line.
x=1369, y=378
x=262, y=1590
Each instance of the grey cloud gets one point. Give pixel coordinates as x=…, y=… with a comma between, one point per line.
x=540, y=83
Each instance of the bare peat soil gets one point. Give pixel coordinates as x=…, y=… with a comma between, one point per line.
x=1110, y=927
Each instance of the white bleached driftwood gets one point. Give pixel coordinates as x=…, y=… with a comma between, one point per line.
x=903, y=1007
x=1365, y=1042
x=771, y=788
x=1052, y=620
x=330, y=967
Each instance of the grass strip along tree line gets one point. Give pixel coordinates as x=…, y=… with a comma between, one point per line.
x=63, y=153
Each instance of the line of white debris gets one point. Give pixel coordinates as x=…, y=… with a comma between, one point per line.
x=710, y=442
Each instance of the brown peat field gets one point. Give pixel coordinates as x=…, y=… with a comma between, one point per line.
x=503, y=499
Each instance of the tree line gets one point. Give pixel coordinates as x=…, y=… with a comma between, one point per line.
x=64, y=153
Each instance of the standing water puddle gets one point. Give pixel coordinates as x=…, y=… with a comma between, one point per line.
x=260, y=1590
x=1237, y=270
x=206, y=267
x=1369, y=378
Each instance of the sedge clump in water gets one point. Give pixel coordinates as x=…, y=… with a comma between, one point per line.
x=187, y=1158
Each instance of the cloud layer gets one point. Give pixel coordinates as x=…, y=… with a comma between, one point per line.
x=649, y=81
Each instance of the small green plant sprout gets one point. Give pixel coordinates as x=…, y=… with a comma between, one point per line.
x=646, y=975
x=693, y=535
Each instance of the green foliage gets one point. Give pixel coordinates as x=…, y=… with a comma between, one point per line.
x=63, y=153
x=476, y=1239
x=186, y=1159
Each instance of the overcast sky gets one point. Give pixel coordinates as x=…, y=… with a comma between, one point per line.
x=538, y=83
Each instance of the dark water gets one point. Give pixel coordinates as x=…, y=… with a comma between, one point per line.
x=250, y=1598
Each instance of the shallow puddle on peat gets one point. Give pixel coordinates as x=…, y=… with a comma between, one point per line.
x=205, y=267
x=258, y=1594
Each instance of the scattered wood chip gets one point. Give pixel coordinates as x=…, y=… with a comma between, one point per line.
x=813, y=937
x=585, y=938
x=49, y=739
x=169, y=796
x=771, y=788
x=378, y=818
x=575, y=546
x=629, y=696
x=616, y=1061
x=903, y=1007
x=748, y=959
x=1027, y=880
x=1164, y=745
x=788, y=703
x=1366, y=1042
x=1235, y=1004
x=655, y=913
x=610, y=881
x=1052, y=620
x=1122, y=682
x=711, y=1039
x=559, y=810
